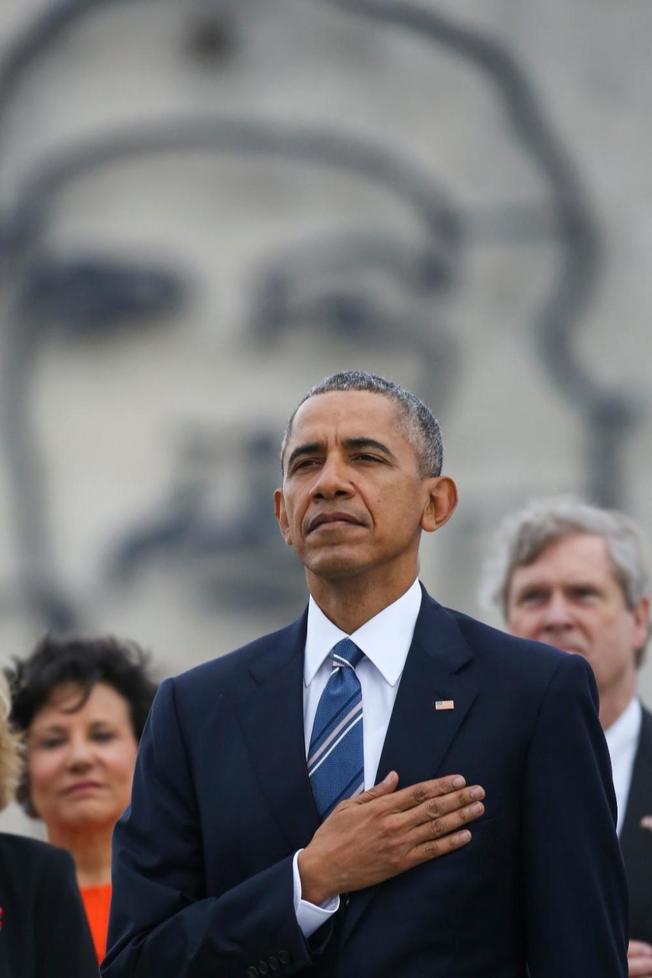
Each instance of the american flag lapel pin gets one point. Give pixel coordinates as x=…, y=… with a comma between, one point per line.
x=444, y=705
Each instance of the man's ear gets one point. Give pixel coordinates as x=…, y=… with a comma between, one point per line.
x=641, y=624
x=441, y=503
x=281, y=516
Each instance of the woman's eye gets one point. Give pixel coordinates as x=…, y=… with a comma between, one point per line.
x=50, y=743
x=103, y=735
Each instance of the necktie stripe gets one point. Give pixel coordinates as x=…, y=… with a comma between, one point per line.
x=329, y=740
x=334, y=722
x=335, y=754
x=341, y=660
x=354, y=787
x=358, y=719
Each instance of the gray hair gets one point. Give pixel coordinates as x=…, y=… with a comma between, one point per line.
x=421, y=426
x=522, y=537
x=10, y=760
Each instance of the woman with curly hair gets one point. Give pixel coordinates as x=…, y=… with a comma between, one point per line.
x=43, y=930
x=81, y=705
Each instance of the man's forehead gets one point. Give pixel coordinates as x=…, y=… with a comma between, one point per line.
x=572, y=556
x=345, y=410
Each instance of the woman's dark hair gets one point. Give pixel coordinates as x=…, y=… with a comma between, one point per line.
x=83, y=661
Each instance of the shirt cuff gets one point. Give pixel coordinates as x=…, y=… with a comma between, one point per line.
x=309, y=916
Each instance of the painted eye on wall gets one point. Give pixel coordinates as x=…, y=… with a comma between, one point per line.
x=90, y=295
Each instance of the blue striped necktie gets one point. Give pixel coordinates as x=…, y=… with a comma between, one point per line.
x=335, y=755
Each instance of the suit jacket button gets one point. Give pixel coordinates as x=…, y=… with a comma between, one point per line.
x=283, y=957
x=263, y=967
x=252, y=972
x=273, y=962
x=346, y=901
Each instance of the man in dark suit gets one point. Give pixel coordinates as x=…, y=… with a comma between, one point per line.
x=237, y=856
x=575, y=576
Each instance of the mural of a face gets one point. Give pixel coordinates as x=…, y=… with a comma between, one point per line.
x=184, y=280
x=159, y=439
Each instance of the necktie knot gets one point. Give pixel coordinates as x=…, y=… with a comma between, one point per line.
x=346, y=653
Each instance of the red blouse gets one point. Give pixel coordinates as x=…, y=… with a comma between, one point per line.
x=97, y=902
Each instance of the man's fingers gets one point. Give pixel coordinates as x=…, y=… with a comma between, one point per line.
x=639, y=960
x=417, y=794
x=639, y=967
x=435, y=808
x=435, y=828
x=439, y=847
x=384, y=787
x=638, y=949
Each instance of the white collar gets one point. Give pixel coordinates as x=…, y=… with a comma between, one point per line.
x=626, y=729
x=385, y=639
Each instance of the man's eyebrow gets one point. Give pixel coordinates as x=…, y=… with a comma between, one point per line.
x=360, y=442
x=309, y=448
x=366, y=442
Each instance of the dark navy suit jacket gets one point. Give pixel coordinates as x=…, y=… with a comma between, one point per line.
x=203, y=859
x=636, y=836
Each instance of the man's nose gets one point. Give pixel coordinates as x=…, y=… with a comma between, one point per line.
x=333, y=479
x=556, y=615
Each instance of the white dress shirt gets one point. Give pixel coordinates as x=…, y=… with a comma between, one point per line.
x=622, y=741
x=385, y=641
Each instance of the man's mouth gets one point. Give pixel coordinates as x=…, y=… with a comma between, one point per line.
x=330, y=519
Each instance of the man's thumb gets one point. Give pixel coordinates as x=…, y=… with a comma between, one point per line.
x=384, y=787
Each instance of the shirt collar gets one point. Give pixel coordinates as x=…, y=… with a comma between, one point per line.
x=385, y=639
x=625, y=730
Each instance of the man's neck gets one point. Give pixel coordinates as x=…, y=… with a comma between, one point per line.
x=351, y=602
x=614, y=702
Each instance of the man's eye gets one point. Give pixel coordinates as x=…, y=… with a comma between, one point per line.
x=367, y=457
x=305, y=463
x=531, y=597
x=586, y=593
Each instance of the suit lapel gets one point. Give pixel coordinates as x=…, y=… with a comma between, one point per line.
x=271, y=717
x=636, y=841
x=419, y=736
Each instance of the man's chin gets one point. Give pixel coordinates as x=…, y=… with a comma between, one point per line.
x=573, y=650
x=334, y=562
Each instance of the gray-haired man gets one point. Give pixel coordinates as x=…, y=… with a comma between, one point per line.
x=575, y=576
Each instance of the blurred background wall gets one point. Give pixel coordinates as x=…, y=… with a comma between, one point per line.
x=205, y=207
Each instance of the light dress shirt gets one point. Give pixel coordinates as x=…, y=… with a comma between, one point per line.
x=385, y=640
x=622, y=741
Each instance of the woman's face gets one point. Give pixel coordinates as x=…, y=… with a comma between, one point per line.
x=80, y=760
